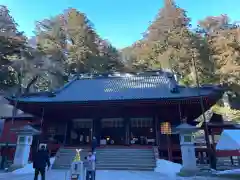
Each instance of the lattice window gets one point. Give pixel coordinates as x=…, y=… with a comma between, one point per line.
x=51, y=130
x=118, y=123
x=141, y=122
x=112, y=123
x=83, y=124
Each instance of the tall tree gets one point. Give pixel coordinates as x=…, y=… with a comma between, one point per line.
x=82, y=45
x=72, y=38
x=12, y=43
x=110, y=57
x=223, y=40
x=51, y=51
x=169, y=44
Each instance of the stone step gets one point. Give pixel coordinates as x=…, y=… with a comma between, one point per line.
x=125, y=168
x=126, y=152
x=110, y=159
x=142, y=152
x=82, y=154
x=129, y=156
x=122, y=150
x=63, y=160
x=145, y=161
x=127, y=164
x=72, y=152
x=129, y=152
x=61, y=167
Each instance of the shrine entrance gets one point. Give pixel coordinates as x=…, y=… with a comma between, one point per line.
x=81, y=132
x=112, y=131
x=142, y=131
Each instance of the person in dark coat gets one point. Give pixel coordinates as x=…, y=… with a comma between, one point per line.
x=94, y=144
x=40, y=161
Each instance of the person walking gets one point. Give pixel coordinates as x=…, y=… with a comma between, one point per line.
x=40, y=161
x=90, y=168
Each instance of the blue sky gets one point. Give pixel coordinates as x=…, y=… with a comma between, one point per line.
x=120, y=21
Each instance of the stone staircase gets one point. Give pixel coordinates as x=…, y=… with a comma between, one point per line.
x=125, y=159
x=65, y=156
x=110, y=159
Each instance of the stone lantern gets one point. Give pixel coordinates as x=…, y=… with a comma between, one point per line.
x=185, y=132
x=24, y=141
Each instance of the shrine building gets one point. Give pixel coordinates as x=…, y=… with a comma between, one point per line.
x=119, y=110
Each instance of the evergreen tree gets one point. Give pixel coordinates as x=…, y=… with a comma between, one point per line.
x=82, y=45
x=224, y=48
x=51, y=52
x=12, y=43
x=169, y=44
x=110, y=57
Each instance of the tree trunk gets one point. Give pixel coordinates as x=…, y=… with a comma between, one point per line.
x=31, y=83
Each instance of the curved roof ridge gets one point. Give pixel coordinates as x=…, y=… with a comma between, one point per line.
x=65, y=85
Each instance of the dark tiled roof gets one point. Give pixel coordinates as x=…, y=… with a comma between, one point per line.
x=20, y=116
x=26, y=129
x=119, y=88
x=184, y=127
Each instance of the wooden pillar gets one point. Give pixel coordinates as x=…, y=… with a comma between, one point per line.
x=156, y=130
x=169, y=147
x=127, y=130
x=68, y=136
x=96, y=130
x=166, y=130
x=66, y=133
x=213, y=138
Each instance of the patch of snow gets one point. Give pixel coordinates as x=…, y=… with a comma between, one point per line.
x=233, y=171
x=167, y=167
x=229, y=140
x=29, y=168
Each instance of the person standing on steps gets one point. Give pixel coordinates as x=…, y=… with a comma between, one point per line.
x=40, y=161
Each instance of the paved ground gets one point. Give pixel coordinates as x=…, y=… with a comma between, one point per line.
x=102, y=175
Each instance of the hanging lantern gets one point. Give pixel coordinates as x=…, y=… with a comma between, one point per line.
x=166, y=128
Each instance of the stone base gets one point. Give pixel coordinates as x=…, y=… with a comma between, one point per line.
x=14, y=167
x=189, y=172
